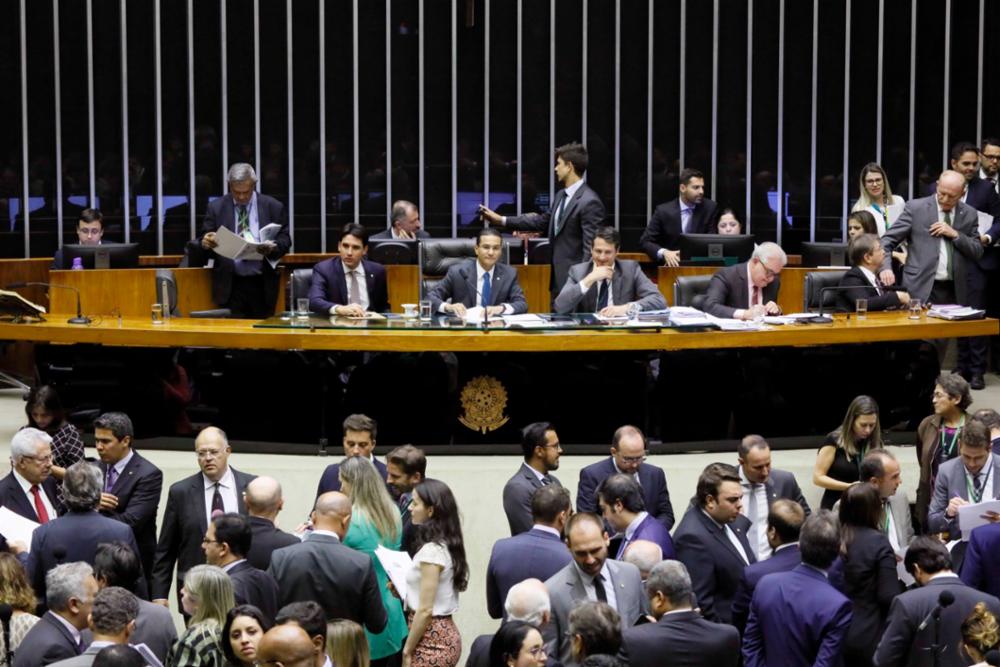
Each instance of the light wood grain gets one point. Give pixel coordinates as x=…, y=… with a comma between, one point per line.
x=790, y=296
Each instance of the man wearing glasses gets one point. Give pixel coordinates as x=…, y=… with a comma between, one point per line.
x=628, y=455
x=192, y=503
x=89, y=231
x=29, y=489
x=748, y=290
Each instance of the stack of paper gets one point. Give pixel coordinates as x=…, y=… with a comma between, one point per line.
x=952, y=312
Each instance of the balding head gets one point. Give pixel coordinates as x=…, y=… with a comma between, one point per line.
x=288, y=644
x=212, y=448
x=263, y=497
x=950, y=187
x=333, y=513
x=528, y=601
x=784, y=521
x=644, y=555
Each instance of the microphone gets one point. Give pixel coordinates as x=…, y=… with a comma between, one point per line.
x=80, y=317
x=944, y=600
x=820, y=318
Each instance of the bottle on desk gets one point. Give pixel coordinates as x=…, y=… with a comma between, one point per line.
x=77, y=264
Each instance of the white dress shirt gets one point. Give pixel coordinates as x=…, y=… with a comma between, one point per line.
x=227, y=489
x=611, y=290
x=26, y=487
x=362, y=285
x=942, y=266
x=757, y=535
x=480, y=272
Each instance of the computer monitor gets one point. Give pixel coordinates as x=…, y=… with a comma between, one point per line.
x=824, y=254
x=104, y=256
x=716, y=248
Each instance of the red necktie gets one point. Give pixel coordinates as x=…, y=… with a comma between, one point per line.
x=756, y=296
x=43, y=516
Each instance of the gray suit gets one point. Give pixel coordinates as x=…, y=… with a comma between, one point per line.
x=386, y=235
x=566, y=591
x=913, y=226
x=899, y=507
x=154, y=627
x=517, y=494
x=951, y=482
x=461, y=285
x=628, y=284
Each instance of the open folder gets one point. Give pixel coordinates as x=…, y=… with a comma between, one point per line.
x=236, y=247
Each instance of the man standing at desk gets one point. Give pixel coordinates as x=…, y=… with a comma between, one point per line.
x=481, y=282
x=89, y=231
x=748, y=289
x=349, y=285
x=247, y=287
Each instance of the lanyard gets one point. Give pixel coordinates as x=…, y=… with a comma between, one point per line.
x=971, y=488
x=888, y=518
x=884, y=212
x=948, y=449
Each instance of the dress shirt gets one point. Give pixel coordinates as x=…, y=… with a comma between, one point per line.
x=634, y=526
x=69, y=626
x=588, y=585
x=480, y=271
x=731, y=536
x=227, y=568
x=248, y=267
x=26, y=486
x=758, y=531
x=227, y=489
x=871, y=278
x=328, y=533
x=120, y=466
x=611, y=292
x=738, y=314
x=890, y=526
x=994, y=179
x=942, y=266
x=943, y=574
x=539, y=476
x=826, y=575
x=687, y=212
x=547, y=529
x=362, y=285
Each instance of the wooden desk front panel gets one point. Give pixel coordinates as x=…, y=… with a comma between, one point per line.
x=131, y=292
x=534, y=280
x=790, y=297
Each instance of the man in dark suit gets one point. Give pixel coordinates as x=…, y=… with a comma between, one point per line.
x=861, y=281
x=980, y=568
x=748, y=290
x=247, y=287
x=690, y=213
x=75, y=535
x=711, y=541
x=971, y=477
x=29, y=489
x=762, y=485
x=321, y=568
x=989, y=171
x=620, y=500
x=226, y=544
x=991, y=418
x=70, y=597
x=628, y=453
x=540, y=446
x=575, y=215
x=537, y=553
x=359, y=440
x=132, y=484
x=797, y=617
x=349, y=285
x=482, y=282
x=527, y=601
x=680, y=637
x=191, y=502
x=406, y=466
x=89, y=231
x=905, y=640
x=404, y=224
x=607, y=285
x=263, y=502
x=784, y=522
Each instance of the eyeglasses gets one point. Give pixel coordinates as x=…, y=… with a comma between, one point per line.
x=940, y=394
x=873, y=181
x=210, y=454
x=89, y=232
x=634, y=459
x=991, y=158
x=39, y=459
x=769, y=273
x=537, y=651
x=205, y=540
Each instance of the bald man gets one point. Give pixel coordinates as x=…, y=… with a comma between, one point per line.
x=644, y=555
x=321, y=568
x=527, y=601
x=288, y=644
x=263, y=500
x=191, y=503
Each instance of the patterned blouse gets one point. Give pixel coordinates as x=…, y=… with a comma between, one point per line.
x=197, y=647
x=20, y=623
x=67, y=446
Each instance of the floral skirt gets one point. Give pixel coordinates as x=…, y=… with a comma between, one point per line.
x=441, y=645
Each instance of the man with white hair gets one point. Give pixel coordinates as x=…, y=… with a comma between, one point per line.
x=247, y=287
x=70, y=591
x=29, y=489
x=527, y=601
x=749, y=289
x=644, y=555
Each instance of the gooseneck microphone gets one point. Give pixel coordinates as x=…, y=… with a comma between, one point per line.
x=80, y=317
x=944, y=600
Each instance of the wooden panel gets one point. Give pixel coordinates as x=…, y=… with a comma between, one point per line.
x=790, y=297
x=535, y=280
x=104, y=292
x=27, y=270
x=404, y=285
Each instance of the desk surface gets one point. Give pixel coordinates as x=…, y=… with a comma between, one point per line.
x=182, y=332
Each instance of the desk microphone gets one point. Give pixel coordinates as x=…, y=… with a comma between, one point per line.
x=80, y=317
x=486, y=311
x=820, y=318
x=944, y=600
x=993, y=658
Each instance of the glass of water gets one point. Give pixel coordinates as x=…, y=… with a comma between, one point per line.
x=302, y=309
x=861, y=308
x=425, y=310
x=915, y=309
x=157, y=313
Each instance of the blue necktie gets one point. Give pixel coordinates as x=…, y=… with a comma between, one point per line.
x=485, y=292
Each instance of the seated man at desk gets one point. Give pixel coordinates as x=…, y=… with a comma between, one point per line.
x=349, y=285
x=862, y=281
x=749, y=289
x=405, y=223
x=587, y=287
x=89, y=231
x=480, y=282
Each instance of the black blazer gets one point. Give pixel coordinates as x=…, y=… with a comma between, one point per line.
x=664, y=229
x=783, y=561
x=329, y=286
x=782, y=484
x=684, y=639
x=47, y=642
x=12, y=497
x=729, y=291
x=256, y=587
x=138, y=490
x=652, y=479
x=860, y=288
x=330, y=480
x=266, y=539
x=184, y=525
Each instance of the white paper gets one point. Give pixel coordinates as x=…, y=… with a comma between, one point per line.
x=236, y=247
x=396, y=564
x=778, y=319
x=475, y=314
x=970, y=516
x=985, y=222
x=727, y=324
x=799, y=316
x=15, y=528
x=523, y=318
x=687, y=316
x=893, y=211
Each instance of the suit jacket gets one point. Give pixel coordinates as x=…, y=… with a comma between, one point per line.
x=517, y=493
x=651, y=479
x=581, y=217
x=664, y=229
x=796, y=618
x=628, y=284
x=566, y=591
x=256, y=587
x=533, y=554
x=782, y=484
x=138, y=490
x=154, y=627
x=85, y=659
x=330, y=481
x=782, y=561
x=982, y=196
x=329, y=286
x=913, y=226
x=651, y=530
x=729, y=291
x=222, y=213
x=266, y=539
x=386, y=235
x=72, y=537
x=899, y=508
x=870, y=582
x=460, y=285
x=902, y=644
x=12, y=497
x=681, y=639
x=339, y=578
x=861, y=288
x=981, y=569
x=951, y=482
x=47, y=642
x=712, y=561
x=184, y=525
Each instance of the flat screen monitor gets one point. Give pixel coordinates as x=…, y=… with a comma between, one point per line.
x=104, y=256
x=824, y=254
x=716, y=248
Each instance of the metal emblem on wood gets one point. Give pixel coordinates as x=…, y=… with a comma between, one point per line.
x=484, y=400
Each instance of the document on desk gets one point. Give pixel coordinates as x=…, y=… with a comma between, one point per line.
x=396, y=564
x=526, y=321
x=727, y=324
x=236, y=247
x=15, y=528
x=971, y=516
x=686, y=316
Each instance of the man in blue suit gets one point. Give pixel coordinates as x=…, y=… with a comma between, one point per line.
x=797, y=617
x=483, y=282
x=620, y=500
x=349, y=285
x=981, y=569
x=784, y=522
x=359, y=440
x=628, y=453
x=538, y=553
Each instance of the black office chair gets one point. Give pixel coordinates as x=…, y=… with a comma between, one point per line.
x=439, y=255
x=539, y=251
x=298, y=286
x=691, y=290
x=815, y=282
x=194, y=255
x=165, y=279
x=393, y=252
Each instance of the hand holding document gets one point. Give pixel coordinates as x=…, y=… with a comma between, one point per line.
x=396, y=564
x=234, y=247
x=979, y=514
x=15, y=528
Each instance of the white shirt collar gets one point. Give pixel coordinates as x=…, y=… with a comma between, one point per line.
x=942, y=575
x=120, y=466
x=547, y=529
x=634, y=526
x=328, y=533
x=537, y=474
x=360, y=268
x=25, y=484
x=785, y=546
x=480, y=271
x=226, y=481
x=825, y=574
x=571, y=190
x=227, y=568
x=605, y=572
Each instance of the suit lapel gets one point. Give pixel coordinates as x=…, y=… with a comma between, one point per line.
x=471, y=283
x=127, y=474
x=369, y=279
x=339, y=281
x=229, y=213
x=743, y=298
x=723, y=539
x=241, y=486
x=616, y=284
x=197, y=494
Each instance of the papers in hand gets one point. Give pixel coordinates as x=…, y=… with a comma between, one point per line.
x=971, y=516
x=396, y=564
x=985, y=222
x=236, y=247
x=15, y=528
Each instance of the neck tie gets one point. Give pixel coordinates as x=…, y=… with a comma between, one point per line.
x=557, y=219
x=485, y=292
x=404, y=503
x=756, y=300
x=878, y=285
x=977, y=486
x=355, y=291
x=602, y=296
x=949, y=248
x=109, y=483
x=546, y=480
x=243, y=223
x=217, y=505
x=43, y=515
x=686, y=220
x=602, y=595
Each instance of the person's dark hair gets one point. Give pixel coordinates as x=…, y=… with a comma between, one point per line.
x=819, y=539
x=533, y=435
x=860, y=246
x=444, y=527
x=873, y=465
x=307, y=615
x=118, y=655
x=488, y=231
x=117, y=564
x=786, y=517
x=355, y=230
x=91, y=215
x=860, y=507
x=988, y=141
x=844, y=436
x=624, y=488
x=114, y=608
x=583, y=517
x=711, y=480
x=234, y=530
x=576, y=154
x=359, y=422
x=599, y=627
x=752, y=441
x=975, y=434
x=118, y=423
x=956, y=386
x=249, y=611
x=548, y=501
x=400, y=209
x=609, y=234
x=928, y=553
x=410, y=459
x=689, y=173
x=46, y=398
x=961, y=148
x=866, y=219
x=989, y=417
x=507, y=642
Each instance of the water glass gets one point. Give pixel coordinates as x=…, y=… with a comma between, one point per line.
x=302, y=309
x=915, y=309
x=157, y=312
x=425, y=310
x=861, y=308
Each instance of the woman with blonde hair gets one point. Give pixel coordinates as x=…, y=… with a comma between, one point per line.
x=346, y=643
x=838, y=462
x=875, y=195
x=980, y=634
x=16, y=592
x=207, y=597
